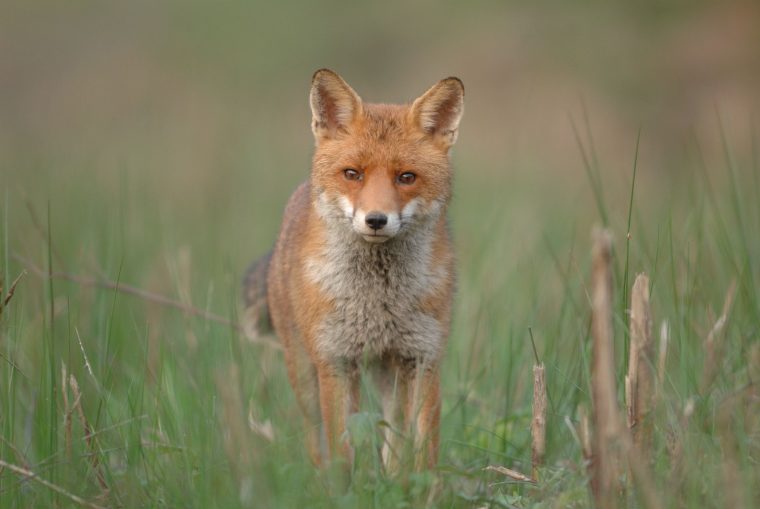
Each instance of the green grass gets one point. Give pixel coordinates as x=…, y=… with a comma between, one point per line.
x=168, y=396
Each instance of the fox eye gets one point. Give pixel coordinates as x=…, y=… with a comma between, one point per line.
x=406, y=178
x=352, y=174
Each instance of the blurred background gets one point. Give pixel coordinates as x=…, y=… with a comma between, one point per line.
x=184, y=102
x=188, y=123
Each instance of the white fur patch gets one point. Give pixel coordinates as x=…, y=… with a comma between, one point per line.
x=323, y=207
x=410, y=208
x=348, y=207
x=377, y=288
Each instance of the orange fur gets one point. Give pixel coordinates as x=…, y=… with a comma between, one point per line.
x=341, y=292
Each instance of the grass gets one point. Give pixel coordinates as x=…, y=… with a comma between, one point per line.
x=183, y=412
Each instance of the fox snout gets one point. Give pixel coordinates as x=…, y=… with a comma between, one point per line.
x=376, y=225
x=376, y=220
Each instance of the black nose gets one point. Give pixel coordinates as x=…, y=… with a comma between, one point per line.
x=376, y=220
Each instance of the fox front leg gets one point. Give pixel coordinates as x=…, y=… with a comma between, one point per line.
x=411, y=405
x=338, y=395
x=425, y=411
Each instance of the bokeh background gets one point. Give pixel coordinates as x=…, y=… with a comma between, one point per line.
x=156, y=143
x=186, y=101
x=201, y=111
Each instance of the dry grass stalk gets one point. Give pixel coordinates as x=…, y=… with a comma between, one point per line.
x=41, y=229
x=11, y=291
x=264, y=429
x=512, y=474
x=676, y=446
x=754, y=363
x=573, y=429
x=88, y=434
x=28, y=474
x=142, y=294
x=181, y=269
x=610, y=440
x=84, y=356
x=629, y=399
x=19, y=454
x=237, y=443
x=236, y=438
x=714, y=342
x=662, y=354
x=607, y=424
x=584, y=434
x=538, y=423
x=640, y=373
x=754, y=389
x=66, y=410
x=733, y=488
x=641, y=475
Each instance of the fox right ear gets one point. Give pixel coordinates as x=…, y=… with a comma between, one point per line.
x=334, y=104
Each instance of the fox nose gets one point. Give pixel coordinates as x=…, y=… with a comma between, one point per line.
x=376, y=220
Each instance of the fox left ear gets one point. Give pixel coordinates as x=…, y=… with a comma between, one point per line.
x=438, y=111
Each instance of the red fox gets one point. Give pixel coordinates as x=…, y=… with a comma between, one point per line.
x=362, y=274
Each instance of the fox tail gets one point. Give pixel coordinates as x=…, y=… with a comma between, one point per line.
x=256, y=320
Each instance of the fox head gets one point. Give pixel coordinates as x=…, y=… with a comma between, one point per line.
x=379, y=169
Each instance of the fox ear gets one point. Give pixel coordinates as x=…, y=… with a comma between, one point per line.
x=334, y=104
x=438, y=111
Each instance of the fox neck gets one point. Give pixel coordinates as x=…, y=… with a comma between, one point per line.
x=402, y=260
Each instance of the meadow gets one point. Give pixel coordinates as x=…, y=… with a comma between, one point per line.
x=146, y=162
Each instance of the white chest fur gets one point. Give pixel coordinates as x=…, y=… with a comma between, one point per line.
x=377, y=290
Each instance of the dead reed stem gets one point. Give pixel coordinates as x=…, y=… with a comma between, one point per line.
x=714, y=342
x=144, y=295
x=605, y=464
x=28, y=474
x=538, y=423
x=640, y=381
x=641, y=474
x=610, y=441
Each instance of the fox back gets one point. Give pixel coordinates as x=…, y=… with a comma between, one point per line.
x=363, y=269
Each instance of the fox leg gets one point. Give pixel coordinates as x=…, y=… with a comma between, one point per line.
x=393, y=382
x=303, y=378
x=338, y=395
x=425, y=409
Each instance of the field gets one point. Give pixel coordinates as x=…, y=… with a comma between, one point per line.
x=146, y=156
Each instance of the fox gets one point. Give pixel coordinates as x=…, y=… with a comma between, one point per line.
x=362, y=273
